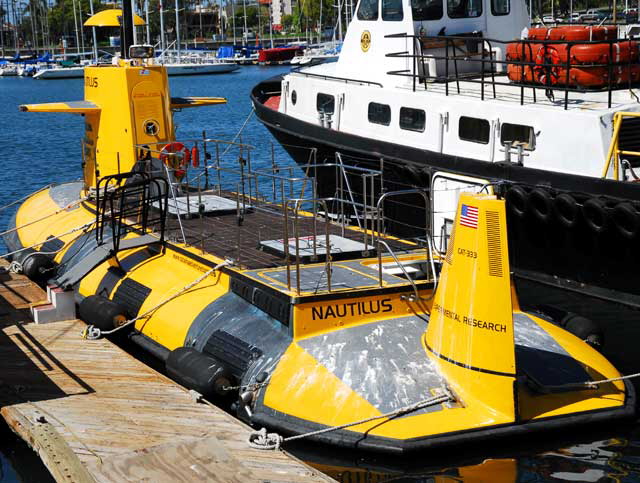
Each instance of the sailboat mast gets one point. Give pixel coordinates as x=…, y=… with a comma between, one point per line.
x=75, y=25
x=271, y=23
x=93, y=35
x=340, y=20
x=162, y=42
x=33, y=27
x=146, y=19
x=244, y=8
x=177, y=31
x=233, y=19
x=81, y=30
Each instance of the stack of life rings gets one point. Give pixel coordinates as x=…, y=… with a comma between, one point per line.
x=589, y=59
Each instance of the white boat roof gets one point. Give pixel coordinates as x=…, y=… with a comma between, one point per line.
x=585, y=101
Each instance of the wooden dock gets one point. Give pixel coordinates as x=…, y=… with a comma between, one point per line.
x=95, y=413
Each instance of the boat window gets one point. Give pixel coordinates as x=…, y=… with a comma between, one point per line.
x=368, y=10
x=500, y=7
x=474, y=130
x=412, y=119
x=392, y=10
x=294, y=97
x=325, y=103
x=518, y=134
x=464, y=8
x=379, y=113
x=426, y=9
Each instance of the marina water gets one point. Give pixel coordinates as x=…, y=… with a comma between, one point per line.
x=42, y=148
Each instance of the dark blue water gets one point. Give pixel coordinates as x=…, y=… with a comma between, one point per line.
x=43, y=148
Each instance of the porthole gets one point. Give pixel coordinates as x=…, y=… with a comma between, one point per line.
x=294, y=97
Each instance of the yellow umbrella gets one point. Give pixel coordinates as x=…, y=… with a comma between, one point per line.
x=109, y=18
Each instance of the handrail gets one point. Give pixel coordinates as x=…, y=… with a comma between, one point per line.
x=549, y=86
x=613, y=154
x=428, y=238
x=332, y=77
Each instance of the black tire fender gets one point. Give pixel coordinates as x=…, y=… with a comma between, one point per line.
x=626, y=219
x=595, y=215
x=517, y=201
x=566, y=209
x=541, y=204
x=101, y=312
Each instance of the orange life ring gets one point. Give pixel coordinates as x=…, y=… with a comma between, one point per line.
x=520, y=51
x=174, y=162
x=547, y=70
x=616, y=53
x=574, y=33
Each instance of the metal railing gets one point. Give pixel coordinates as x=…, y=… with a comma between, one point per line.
x=548, y=69
x=614, y=152
x=287, y=206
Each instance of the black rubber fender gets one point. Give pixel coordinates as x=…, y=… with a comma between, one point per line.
x=517, y=201
x=595, y=215
x=626, y=219
x=584, y=328
x=38, y=266
x=198, y=371
x=566, y=210
x=541, y=204
x=101, y=312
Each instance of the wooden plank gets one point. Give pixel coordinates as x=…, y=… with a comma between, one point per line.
x=203, y=459
x=119, y=418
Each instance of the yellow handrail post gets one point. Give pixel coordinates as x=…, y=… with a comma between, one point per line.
x=613, y=147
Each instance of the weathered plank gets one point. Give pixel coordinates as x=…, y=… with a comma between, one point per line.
x=89, y=405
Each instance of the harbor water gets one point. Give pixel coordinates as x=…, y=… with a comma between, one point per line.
x=44, y=148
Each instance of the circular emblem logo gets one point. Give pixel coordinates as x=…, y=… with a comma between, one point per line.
x=365, y=40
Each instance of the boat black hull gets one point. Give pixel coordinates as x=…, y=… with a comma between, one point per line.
x=542, y=248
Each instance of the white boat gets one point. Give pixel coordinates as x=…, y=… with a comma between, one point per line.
x=60, y=73
x=8, y=70
x=318, y=54
x=189, y=68
x=454, y=96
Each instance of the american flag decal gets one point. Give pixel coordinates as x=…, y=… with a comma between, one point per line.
x=469, y=216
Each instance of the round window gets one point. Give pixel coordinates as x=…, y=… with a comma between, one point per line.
x=294, y=97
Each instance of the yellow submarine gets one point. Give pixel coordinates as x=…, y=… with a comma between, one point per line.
x=378, y=345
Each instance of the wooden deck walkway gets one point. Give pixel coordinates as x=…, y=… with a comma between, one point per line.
x=95, y=413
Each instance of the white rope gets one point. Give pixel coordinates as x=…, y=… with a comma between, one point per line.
x=70, y=205
x=73, y=230
x=244, y=124
x=15, y=202
x=94, y=333
x=263, y=440
x=613, y=379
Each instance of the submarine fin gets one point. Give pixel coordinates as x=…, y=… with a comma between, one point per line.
x=470, y=331
x=73, y=107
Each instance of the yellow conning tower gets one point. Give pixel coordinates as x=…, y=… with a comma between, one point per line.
x=125, y=104
x=134, y=108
